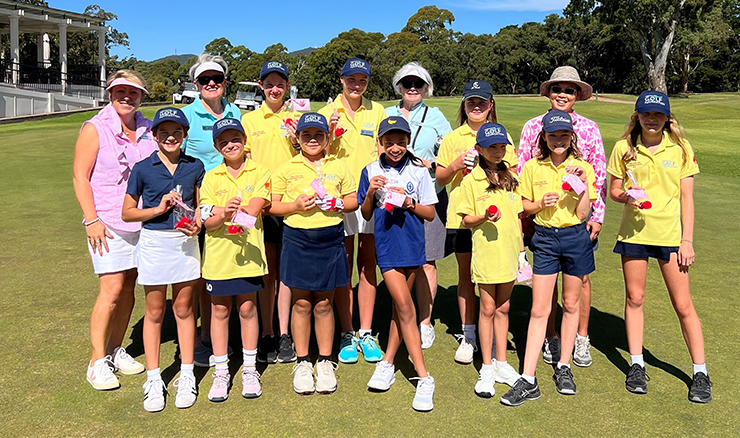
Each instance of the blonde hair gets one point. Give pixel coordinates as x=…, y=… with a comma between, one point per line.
x=543, y=151
x=634, y=130
x=462, y=116
x=129, y=75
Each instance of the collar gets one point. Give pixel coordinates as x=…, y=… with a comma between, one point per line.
x=400, y=167
x=338, y=105
x=266, y=112
x=548, y=162
x=666, y=143
x=248, y=166
x=479, y=174
x=466, y=130
x=300, y=159
x=183, y=158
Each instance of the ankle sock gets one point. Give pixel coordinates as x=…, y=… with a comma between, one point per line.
x=221, y=362
x=469, y=331
x=324, y=358
x=303, y=359
x=498, y=364
x=250, y=357
x=701, y=369
x=154, y=374
x=581, y=338
x=637, y=359
x=187, y=369
x=563, y=365
x=487, y=368
x=364, y=332
x=529, y=379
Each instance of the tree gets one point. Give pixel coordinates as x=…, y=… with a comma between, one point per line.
x=429, y=23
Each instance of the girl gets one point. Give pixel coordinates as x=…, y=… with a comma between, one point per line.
x=558, y=187
x=399, y=244
x=167, y=183
x=656, y=164
x=271, y=142
x=233, y=195
x=354, y=124
x=490, y=205
x=455, y=161
x=312, y=191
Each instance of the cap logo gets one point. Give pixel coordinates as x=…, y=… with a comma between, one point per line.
x=169, y=113
x=556, y=119
x=475, y=86
x=357, y=64
x=225, y=122
x=313, y=118
x=653, y=99
x=391, y=122
x=492, y=132
x=275, y=64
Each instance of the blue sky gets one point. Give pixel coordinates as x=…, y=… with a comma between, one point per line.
x=157, y=29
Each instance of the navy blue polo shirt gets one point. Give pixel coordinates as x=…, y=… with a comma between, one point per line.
x=150, y=180
x=399, y=236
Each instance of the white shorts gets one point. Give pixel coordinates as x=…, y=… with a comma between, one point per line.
x=121, y=255
x=354, y=223
x=167, y=257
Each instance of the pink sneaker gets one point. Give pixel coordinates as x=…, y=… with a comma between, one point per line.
x=251, y=387
x=220, y=389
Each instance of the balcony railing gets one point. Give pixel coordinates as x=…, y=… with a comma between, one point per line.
x=81, y=80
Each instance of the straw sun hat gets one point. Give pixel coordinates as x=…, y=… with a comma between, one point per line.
x=567, y=74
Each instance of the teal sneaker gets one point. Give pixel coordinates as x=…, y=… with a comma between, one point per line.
x=370, y=349
x=348, y=348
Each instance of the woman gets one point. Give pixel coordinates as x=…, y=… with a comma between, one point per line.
x=108, y=147
x=564, y=89
x=209, y=75
x=428, y=126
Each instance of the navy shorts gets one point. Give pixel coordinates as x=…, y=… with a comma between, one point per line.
x=273, y=226
x=638, y=251
x=411, y=268
x=568, y=250
x=459, y=241
x=234, y=286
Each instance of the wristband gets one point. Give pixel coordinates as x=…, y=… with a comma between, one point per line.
x=87, y=224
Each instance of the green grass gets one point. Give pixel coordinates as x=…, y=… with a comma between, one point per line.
x=49, y=290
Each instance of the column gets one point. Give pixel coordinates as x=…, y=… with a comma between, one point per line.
x=101, y=61
x=39, y=50
x=47, y=50
x=63, y=54
x=15, y=57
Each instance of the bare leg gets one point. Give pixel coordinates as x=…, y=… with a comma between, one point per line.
x=344, y=297
x=585, y=306
x=102, y=317
x=465, y=289
x=220, y=311
x=635, y=274
x=301, y=320
x=571, y=297
x=368, y=281
x=182, y=307
x=156, y=304
x=250, y=326
x=501, y=319
x=122, y=312
x=323, y=313
x=541, y=304
x=398, y=283
x=283, y=305
x=551, y=330
x=486, y=320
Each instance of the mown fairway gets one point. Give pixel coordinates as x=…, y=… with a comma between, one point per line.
x=49, y=290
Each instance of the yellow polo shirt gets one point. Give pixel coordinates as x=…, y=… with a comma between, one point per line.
x=453, y=145
x=227, y=256
x=357, y=147
x=496, y=245
x=542, y=176
x=660, y=175
x=294, y=178
x=267, y=138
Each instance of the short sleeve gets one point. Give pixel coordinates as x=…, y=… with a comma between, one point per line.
x=206, y=190
x=245, y=124
x=427, y=192
x=279, y=183
x=466, y=203
x=690, y=167
x=511, y=156
x=445, y=157
x=591, y=182
x=518, y=206
x=135, y=181
x=201, y=173
x=348, y=182
x=526, y=189
x=262, y=185
x=615, y=165
x=363, y=186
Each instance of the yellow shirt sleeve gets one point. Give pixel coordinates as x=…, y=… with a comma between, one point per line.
x=511, y=155
x=526, y=190
x=279, y=183
x=519, y=207
x=348, y=182
x=245, y=125
x=690, y=166
x=466, y=206
x=616, y=164
x=590, y=181
x=445, y=157
x=206, y=190
x=262, y=186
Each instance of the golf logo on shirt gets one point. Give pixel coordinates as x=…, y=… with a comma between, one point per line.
x=653, y=99
x=248, y=189
x=512, y=196
x=668, y=164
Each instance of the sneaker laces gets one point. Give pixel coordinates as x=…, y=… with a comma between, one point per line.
x=383, y=369
x=326, y=367
x=302, y=368
x=250, y=376
x=285, y=342
x=471, y=342
x=425, y=387
x=154, y=388
x=518, y=389
x=701, y=382
x=185, y=382
x=346, y=341
x=220, y=380
x=370, y=338
x=109, y=367
x=562, y=373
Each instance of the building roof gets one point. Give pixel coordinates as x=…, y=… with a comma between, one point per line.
x=40, y=19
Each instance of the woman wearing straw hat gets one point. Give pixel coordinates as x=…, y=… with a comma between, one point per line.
x=564, y=89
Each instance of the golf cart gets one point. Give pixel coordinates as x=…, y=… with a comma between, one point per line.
x=249, y=97
x=186, y=94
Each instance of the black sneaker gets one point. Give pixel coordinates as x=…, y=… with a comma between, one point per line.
x=637, y=380
x=266, y=352
x=563, y=378
x=521, y=391
x=285, y=349
x=701, y=389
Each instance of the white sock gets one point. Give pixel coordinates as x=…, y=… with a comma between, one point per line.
x=426, y=325
x=529, y=379
x=350, y=332
x=563, y=365
x=154, y=374
x=250, y=357
x=498, y=364
x=364, y=332
x=469, y=331
x=581, y=338
x=701, y=369
x=637, y=359
x=221, y=362
x=487, y=368
x=186, y=369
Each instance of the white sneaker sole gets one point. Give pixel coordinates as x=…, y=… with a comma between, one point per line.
x=187, y=404
x=303, y=391
x=131, y=371
x=509, y=382
x=485, y=394
x=251, y=394
x=422, y=407
x=154, y=409
x=582, y=364
x=378, y=386
x=218, y=399
x=105, y=386
x=464, y=360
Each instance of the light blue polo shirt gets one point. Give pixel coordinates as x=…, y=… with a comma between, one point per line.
x=199, y=142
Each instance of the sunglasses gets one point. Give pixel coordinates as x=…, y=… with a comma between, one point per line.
x=557, y=90
x=408, y=83
x=205, y=80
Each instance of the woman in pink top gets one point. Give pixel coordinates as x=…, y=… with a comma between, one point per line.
x=564, y=89
x=108, y=147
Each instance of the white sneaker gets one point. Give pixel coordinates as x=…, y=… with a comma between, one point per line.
x=427, y=336
x=101, y=376
x=326, y=381
x=582, y=352
x=154, y=395
x=187, y=392
x=551, y=350
x=303, y=378
x=484, y=386
x=506, y=375
x=125, y=363
x=424, y=397
x=383, y=377
x=464, y=353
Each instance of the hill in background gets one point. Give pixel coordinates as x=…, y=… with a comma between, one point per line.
x=179, y=58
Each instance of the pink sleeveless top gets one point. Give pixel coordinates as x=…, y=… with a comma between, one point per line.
x=116, y=157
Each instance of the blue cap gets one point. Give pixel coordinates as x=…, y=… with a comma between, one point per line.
x=312, y=120
x=490, y=134
x=480, y=89
x=224, y=125
x=653, y=101
x=556, y=120
x=273, y=67
x=393, y=123
x=170, y=114
x=356, y=65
